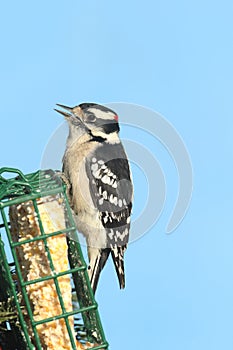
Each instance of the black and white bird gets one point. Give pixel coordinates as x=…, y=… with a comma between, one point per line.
x=97, y=169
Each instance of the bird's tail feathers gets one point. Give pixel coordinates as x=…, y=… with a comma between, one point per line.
x=118, y=259
x=96, y=266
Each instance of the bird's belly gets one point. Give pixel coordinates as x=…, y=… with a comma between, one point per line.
x=88, y=220
x=87, y=216
x=91, y=227
x=82, y=200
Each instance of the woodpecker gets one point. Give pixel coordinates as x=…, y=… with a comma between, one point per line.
x=100, y=186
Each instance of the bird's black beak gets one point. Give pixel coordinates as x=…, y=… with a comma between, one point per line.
x=65, y=114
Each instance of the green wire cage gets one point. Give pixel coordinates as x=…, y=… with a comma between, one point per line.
x=16, y=309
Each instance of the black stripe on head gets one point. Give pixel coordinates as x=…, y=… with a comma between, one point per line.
x=107, y=129
x=88, y=105
x=110, y=127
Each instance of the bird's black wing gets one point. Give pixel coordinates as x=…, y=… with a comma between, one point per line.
x=111, y=191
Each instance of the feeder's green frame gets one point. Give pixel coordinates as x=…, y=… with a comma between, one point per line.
x=31, y=187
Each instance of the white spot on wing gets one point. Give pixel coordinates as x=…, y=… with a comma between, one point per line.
x=111, y=234
x=122, y=235
x=94, y=167
x=111, y=182
x=105, y=179
x=114, y=185
x=96, y=174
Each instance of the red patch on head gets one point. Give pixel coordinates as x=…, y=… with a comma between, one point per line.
x=116, y=117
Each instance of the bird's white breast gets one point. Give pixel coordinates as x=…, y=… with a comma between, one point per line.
x=87, y=216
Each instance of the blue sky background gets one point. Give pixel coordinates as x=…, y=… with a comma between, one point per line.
x=171, y=56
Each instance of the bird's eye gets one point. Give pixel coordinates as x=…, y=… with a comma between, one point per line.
x=90, y=118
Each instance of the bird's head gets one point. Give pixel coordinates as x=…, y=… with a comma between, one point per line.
x=91, y=119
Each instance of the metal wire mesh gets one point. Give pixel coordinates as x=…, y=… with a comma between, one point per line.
x=13, y=288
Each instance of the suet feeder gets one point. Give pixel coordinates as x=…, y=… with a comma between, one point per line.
x=46, y=301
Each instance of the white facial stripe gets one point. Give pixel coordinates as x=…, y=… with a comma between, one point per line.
x=110, y=138
x=101, y=114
